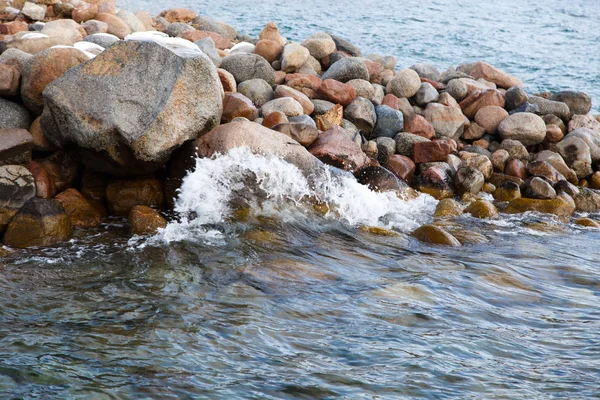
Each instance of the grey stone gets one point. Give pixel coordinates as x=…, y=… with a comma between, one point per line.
x=204, y=23
x=343, y=45
x=248, y=66
x=538, y=188
x=131, y=20
x=427, y=71
x=406, y=83
x=566, y=187
x=177, y=29
x=319, y=45
x=576, y=154
x=514, y=98
x=16, y=58
x=515, y=149
x=347, y=69
x=33, y=11
x=578, y=102
x=321, y=106
x=207, y=45
x=457, y=89
x=361, y=113
x=389, y=122
x=591, y=138
x=386, y=145
x=587, y=200
x=405, y=142
x=546, y=107
x=257, y=90
x=527, y=128
x=426, y=94
x=303, y=119
x=102, y=39
x=14, y=116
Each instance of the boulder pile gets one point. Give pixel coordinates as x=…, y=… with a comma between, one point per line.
x=101, y=109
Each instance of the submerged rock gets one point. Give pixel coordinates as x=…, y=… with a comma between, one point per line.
x=562, y=205
x=436, y=235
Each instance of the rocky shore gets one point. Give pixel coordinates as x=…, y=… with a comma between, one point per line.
x=102, y=112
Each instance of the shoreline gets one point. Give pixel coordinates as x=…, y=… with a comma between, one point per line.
x=103, y=110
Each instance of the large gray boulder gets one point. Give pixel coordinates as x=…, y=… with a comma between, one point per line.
x=14, y=116
x=126, y=110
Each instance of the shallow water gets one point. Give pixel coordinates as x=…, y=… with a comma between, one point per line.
x=280, y=301
x=549, y=44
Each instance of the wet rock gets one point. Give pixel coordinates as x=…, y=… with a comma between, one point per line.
x=562, y=206
x=245, y=66
x=40, y=222
x=477, y=100
x=578, y=102
x=294, y=56
x=379, y=179
x=576, y=154
x=430, y=151
x=386, y=146
x=587, y=200
x=587, y=222
x=401, y=166
x=144, y=220
x=389, y=122
x=257, y=90
x=515, y=167
x=336, y=92
x=406, y=83
x=527, y=128
x=335, y=147
x=428, y=71
x=131, y=119
x=566, y=187
x=436, y=181
x=80, y=211
x=237, y=105
x=436, y=235
x=538, y=188
x=446, y=120
x=447, y=208
x=499, y=179
x=285, y=105
x=347, y=69
x=507, y=191
x=405, y=142
x=301, y=133
x=17, y=186
x=480, y=163
x=63, y=168
x=333, y=117
x=482, y=209
x=468, y=180
x=14, y=116
x=123, y=194
x=545, y=169
x=490, y=117
x=425, y=95
x=44, y=184
x=595, y=180
x=515, y=97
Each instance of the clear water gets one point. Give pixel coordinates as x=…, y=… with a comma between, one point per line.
x=284, y=302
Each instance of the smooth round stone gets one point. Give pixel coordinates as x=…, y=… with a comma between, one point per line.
x=389, y=122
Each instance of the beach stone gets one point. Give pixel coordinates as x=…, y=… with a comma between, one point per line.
x=285, y=105
x=221, y=43
x=538, y=188
x=270, y=50
x=293, y=57
x=435, y=235
x=545, y=169
x=562, y=206
x=361, y=113
x=499, y=159
x=386, y=146
x=12, y=27
x=515, y=149
x=178, y=15
x=426, y=94
x=63, y=169
x=587, y=200
x=302, y=133
x=445, y=120
x=553, y=134
x=65, y=28
x=333, y=117
x=545, y=106
x=448, y=208
x=33, y=11
x=336, y=92
x=44, y=184
x=401, y=166
x=405, y=143
x=388, y=122
x=376, y=72
x=207, y=45
x=146, y=19
x=436, y=180
x=527, y=128
x=15, y=146
x=15, y=58
x=418, y=125
x=584, y=121
x=335, y=147
x=285, y=91
x=122, y=130
x=428, y=71
x=490, y=117
x=144, y=220
x=116, y=26
x=274, y=119
x=468, y=180
x=13, y=115
x=595, y=180
x=430, y=151
x=271, y=32
x=480, y=163
x=473, y=132
x=591, y=138
x=587, y=222
x=516, y=167
x=457, y=89
x=507, y=191
x=347, y=69
x=482, y=209
x=93, y=27
x=257, y=90
x=237, y=105
x=482, y=70
x=17, y=186
x=83, y=12
x=123, y=194
x=578, y=102
x=345, y=46
x=379, y=179
x=303, y=119
x=319, y=44
x=245, y=66
x=228, y=81
x=477, y=100
x=177, y=29
x=132, y=21
x=80, y=211
x=307, y=84
x=40, y=222
x=363, y=88
x=43, y=69
x=515, y=97
x=499, y=179
x=102, y=39
x=204, y=23
x=391, y=101
x=406, y=83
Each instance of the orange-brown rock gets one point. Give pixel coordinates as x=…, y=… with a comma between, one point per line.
x=391, y=101
x=237, y=105
x=40, y=142
x=553, y=134
x=418, y=125
x=10, y=77
x=335, y=147
x=63, y=168
x=274, y=118
x=489, y=117
x=44, y=184
x=84, y=12
x=10, y=28
x=144, y=220
x=179, y=15
x=40, y=222
x=477, y=100
x=307, y=84
x=280, y=77
x=375, y=70
x=286, y=91
x=220, y=42
x=430, y=151
x=107, y=6
x=123, y=194
x=270, y=50
x=436, y=85
x=485, y=71
x=401, y=166
x=227, y=80
x=336, y=92
x=331, y=118
x=116, y=26
x=80, y=211
x=271, y=32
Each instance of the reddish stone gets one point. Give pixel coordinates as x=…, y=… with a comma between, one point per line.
x=392, y=101
x=116, y=26
x=476, y=101
x=9, y=80
x=227, y=80
x=516, y=168
x=179, y=15
x=307, y=84
x=279, y=77
x=270, y=50
x=275, y=118
x=436, y=85
x=554, y=134
x=418, y=125
x=335, y=147
x=220, y=42
x=485, y=71
x=84, y=12
x=80, y=211
x=401, y=166
x=437, y=150
x=336, y=92
x=286, y=91
x=237, y=105
x=10, y=28
x=44, y=184
x=144, y=220
x=375, y=70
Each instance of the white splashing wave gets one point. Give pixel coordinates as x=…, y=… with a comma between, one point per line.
x=272, y=187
